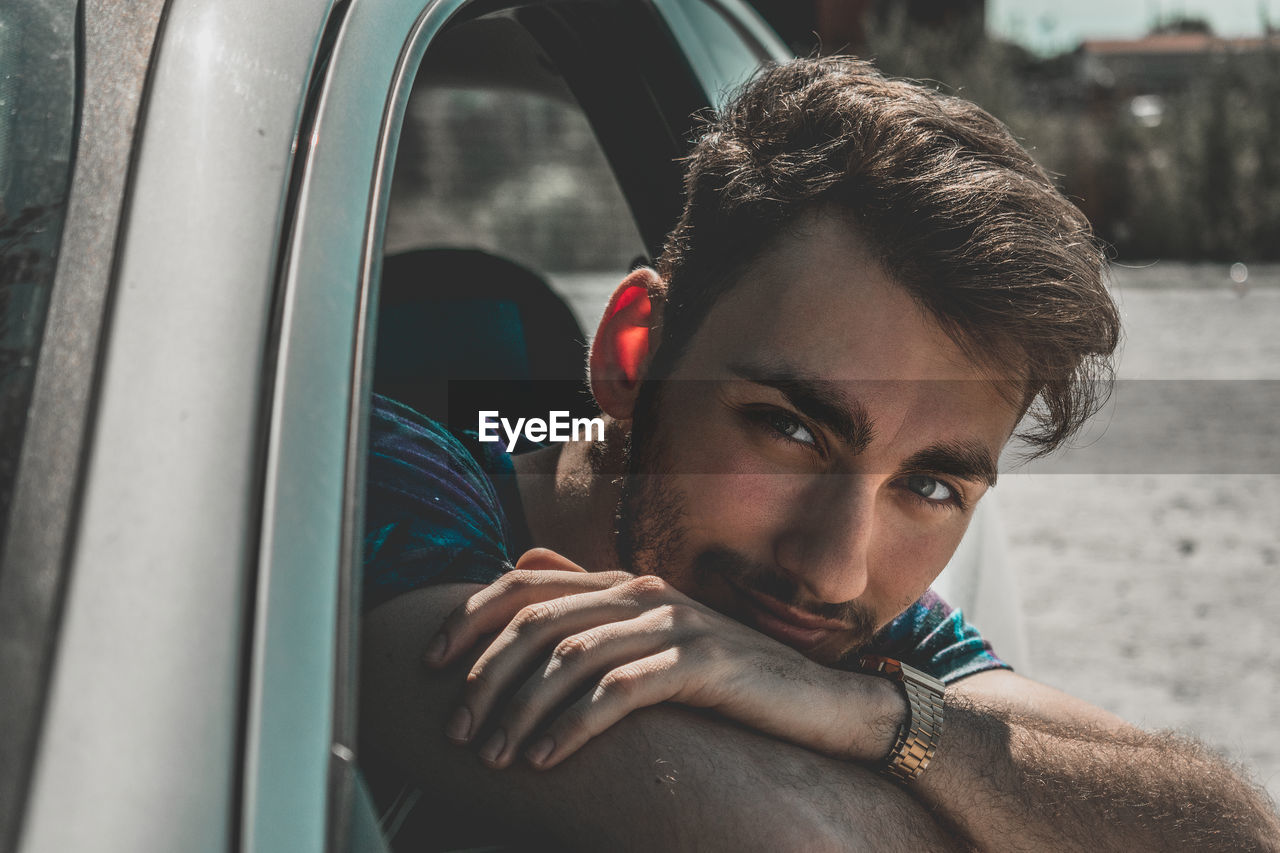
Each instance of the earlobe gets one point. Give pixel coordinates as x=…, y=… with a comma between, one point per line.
x=623, y=344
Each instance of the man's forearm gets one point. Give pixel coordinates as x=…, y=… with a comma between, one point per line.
x=1009, y=780
x=664, y=778
x=1020, y=765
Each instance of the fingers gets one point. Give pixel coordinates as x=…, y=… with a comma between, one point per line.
x=525, y=641
x=560, y=631
x=577, y=661
x=491, y=608
x=639, y=684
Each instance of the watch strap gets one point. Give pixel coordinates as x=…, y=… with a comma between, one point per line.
x=918, y=737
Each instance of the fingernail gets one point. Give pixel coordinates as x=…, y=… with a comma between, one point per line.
x=435, y=651
x=459, y=727
x=541, y=748
x=493, y=746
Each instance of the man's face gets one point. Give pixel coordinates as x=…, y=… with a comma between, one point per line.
x=813, y=460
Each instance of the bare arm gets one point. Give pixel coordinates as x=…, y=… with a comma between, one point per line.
x=1020, y=766
x=1025, y=767
x=663, y=778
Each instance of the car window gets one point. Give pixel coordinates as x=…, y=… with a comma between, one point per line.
x=503, y=158
x=529, y=158
x=37, y=129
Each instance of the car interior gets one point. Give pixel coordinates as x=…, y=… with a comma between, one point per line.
x=504, y=207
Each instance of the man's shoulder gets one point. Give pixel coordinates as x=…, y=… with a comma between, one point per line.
x=432, y=511
x=935, y=638
x=398, y=431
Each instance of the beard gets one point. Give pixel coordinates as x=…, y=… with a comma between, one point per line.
x=649, y=520
x=651, y=531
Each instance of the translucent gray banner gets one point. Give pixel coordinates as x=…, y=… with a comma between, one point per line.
x=1146, y=426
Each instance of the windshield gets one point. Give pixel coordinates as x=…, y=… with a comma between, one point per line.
x=37, y=131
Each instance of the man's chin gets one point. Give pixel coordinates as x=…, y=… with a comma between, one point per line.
x=825, y=641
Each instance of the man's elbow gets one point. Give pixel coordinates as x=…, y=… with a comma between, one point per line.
x=812, y=802
x=802, y=827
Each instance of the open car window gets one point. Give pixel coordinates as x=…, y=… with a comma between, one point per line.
x=497, y=155
x=535, y=167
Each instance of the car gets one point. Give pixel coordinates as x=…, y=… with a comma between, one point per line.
x=200, y=202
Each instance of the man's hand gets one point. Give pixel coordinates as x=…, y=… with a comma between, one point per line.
x=575, y=652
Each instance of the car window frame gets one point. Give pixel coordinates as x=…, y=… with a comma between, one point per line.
x=760, y=44
x=308, y=591
x=69, y=387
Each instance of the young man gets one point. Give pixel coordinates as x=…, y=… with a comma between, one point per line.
x=725, y=638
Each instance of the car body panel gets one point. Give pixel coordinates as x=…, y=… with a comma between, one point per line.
x=113, y=61
x=142, y=735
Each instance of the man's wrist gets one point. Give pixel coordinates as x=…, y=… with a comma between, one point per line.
x=917, y=739
x=877, y=711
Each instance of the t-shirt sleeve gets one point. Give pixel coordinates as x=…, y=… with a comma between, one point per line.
x=934, y=637
x=431, y=513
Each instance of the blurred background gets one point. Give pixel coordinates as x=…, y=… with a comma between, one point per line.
x=1160, y=118
x=1147, y=557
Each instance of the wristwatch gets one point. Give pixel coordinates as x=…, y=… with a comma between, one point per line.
x=918, y=737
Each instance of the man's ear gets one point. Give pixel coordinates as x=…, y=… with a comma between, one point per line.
x=624, y=344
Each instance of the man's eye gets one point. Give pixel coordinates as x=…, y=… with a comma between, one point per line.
x=929, y=488
x=788, y=427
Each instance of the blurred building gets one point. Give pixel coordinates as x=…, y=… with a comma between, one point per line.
x=1164, y=63
x=1142, y=76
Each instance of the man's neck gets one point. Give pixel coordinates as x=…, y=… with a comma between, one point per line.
x=570, y=496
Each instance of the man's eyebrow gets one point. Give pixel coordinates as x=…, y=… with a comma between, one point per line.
x=968, y=460
x=819, y=399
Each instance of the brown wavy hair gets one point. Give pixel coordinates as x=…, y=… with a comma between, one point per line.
x=954, y=208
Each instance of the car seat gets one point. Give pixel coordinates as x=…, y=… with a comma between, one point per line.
x=462, y=330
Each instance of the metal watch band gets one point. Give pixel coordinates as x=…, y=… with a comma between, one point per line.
x=918, y=737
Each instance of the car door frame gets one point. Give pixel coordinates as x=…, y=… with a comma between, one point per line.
x=176, y=221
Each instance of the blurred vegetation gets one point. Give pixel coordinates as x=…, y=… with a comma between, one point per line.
x=1198, y=181
x=1192, y=173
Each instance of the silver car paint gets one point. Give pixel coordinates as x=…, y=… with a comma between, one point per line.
x=141, y=742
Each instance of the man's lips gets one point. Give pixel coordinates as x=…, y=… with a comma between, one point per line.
x=787, y=624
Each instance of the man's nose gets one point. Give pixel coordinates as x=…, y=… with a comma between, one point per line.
x=825, y=548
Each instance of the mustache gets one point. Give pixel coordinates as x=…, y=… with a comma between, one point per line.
x=762, y=578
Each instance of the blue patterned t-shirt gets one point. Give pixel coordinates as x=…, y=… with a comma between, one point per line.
x=443, y=508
